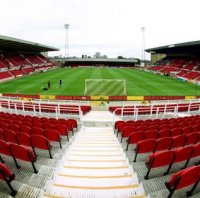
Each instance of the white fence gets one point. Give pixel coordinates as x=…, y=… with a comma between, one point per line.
x=41, y=108
x=156, y=111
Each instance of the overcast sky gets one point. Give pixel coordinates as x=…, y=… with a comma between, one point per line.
x=111, y=27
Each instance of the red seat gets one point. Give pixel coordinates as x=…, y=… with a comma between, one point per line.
x=164, y=133
x=4, y=126
x=196, y=128
x=26, y=129
x=24, y=139
x=47, y=126
x=134, y=138
x=192, y=138
x=176, y=132
x=117, y=123
x=53, y=135
x=163, y=144
x=187, y=130
x=164, y=127
x=11, y=136
x=151, y=134
x=27, y=124
x=154, y=127
x=23, y=153
x=179, y=141
x=182, y=154
x=196, y=152
x=121, y=127
x=37, y=124
x=2, y=136
x=144, y=146
x=127, y=131
x=73, y=122
x=41, y=142
x=38, y=131
x=8, y=177
x=187, y=177
x=159, y=159
x=14, y=127
x=67, y=124
x=62, y=130
x=5, y=150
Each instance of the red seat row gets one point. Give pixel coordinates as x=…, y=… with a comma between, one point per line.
x=181, y=139
x=168, y=158
x=167, y=143
x=158, y=125
x=182, y=121
x=13, y=118
x=33, y=141
x=18, y=152
x=51, y=133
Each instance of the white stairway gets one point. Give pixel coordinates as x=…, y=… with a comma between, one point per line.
x=95, y=165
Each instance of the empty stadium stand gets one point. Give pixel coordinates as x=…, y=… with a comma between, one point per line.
x=183, y=67
x=15, y=65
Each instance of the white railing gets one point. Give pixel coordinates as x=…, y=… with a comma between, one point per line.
x=41, y=108
x=154, y=111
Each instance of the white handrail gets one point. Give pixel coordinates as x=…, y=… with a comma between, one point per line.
x=149, y=111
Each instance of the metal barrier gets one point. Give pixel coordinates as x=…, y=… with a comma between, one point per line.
x=154, y=111
x=40, y=108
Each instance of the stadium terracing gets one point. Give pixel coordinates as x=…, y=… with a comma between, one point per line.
x=57, y=146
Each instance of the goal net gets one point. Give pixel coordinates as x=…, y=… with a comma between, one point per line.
x=105, y=87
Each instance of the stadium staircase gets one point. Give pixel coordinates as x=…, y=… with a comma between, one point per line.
x=95, y=164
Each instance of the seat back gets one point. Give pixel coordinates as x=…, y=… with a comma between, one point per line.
x=192, y=138
x=26, y=129
x=196, y=152
x=62, y=129
x=146, y=146
x=164, y=144
x=117, y=123
x=24, y=139
x=151, y=134
x=127, y=131
x=5, y=172
x=179, y=141
x=135, y=137
x=52, y=135
x=183, y=154
x=186, y=177
x=164, y=133
x=22, y=153
x=4, y=148
x=160, y=159
x=11, y=136
x=39, y=141
x=2, y=136
x=176, y=132
x=73, y=123
x=38, y=131
x=187, y=130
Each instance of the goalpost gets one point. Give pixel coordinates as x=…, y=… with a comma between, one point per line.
x=105, y=87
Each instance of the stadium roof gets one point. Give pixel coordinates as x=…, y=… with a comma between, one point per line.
x=14, y=44
x=101, y=60
x=187, y=47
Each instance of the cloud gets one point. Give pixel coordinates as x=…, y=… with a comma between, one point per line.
x=108, y=26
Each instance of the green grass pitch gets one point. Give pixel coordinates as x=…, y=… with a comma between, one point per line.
x=138, y=83
x=105, y=87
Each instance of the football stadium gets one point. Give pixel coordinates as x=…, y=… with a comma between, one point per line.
x=99, y=127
